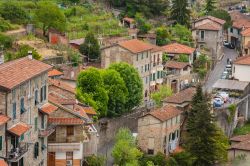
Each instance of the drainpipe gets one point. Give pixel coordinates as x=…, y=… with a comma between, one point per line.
x=6, y=140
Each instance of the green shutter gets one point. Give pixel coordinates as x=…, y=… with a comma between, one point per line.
x=1, y=142
x=35, y=123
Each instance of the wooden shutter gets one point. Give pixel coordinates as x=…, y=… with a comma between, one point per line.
x=14, y=111
x=41, y=94
x=70, y=130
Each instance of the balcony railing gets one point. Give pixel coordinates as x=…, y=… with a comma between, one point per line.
x=46, y=132
x=17, y=153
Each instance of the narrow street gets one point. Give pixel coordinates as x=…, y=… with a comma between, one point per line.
x=218, y=70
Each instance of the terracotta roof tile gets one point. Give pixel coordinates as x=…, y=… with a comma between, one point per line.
x=209, y=26
x=89, y=110
x=240, y=138
x=218, y=20
x=181, y=97
x=66, y=121
x=165, y=113
x=176, y=65
x=61, y=85
x=245, y=145
x=48, y=108
x=79, y=110
x=4, y=119
x=19, y=128
x=16, y=72
x=244, y=60
x=156, y=48
x=135, y=46
x=176, y=48
x=240, y=20
x=54, y=72
x=245, y=32
x=130, y=20
x=3, y=163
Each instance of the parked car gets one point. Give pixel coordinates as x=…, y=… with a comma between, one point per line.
x=223, y=77
x=218, y=102
x=230, y=45
x=226, y=43
x=224, y=95
x=229, y=66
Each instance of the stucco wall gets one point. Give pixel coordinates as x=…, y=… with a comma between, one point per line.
x=241, y=72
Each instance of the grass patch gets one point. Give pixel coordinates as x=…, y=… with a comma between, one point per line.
x=242, y=130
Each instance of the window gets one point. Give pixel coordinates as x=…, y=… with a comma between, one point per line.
x=36, y=150
x=22, y=105
x=238, y=31
x=145, y=68
x=69, y=156
x=147, y=54
x=36, y=97
x=70, y=130
x=154, y=77
x=202, y=35
x=137, y=57
x=42, y=122
x=14, y=111
x=158, y=74
x=1, y=142
x=151, y=151
x=150, y=77
x=43, y=92
x=35, y=123
x=142, y=56
x=43, y=146
x=21, y=137
x=231, y=30
x=146, y=80
x=148, y=67
x=141, y=69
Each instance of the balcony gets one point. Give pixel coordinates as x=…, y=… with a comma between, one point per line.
x=46, y=132
x=63, y=147
x=17, y=153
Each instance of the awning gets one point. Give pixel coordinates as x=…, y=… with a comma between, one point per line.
x=63, y=147
x=4, y=119
x=48, y=108
x=19, y=129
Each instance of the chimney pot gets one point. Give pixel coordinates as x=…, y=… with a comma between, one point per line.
x=30, y=54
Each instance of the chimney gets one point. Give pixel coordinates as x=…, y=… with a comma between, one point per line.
x=30, y=54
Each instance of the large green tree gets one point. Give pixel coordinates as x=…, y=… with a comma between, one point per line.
x=142, y=24
x=13, y=12
x=125, y=151
x=162, y=36
x=163, y=92
x=91, y=90
x=133, y=83
x=90, y=47
x=210, y=6
x=48, y=15
x=204, y=140
x=180, y=12
x=117, y=92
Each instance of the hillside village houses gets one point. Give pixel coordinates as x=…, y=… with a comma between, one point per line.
x=241, y=68
x=208, y=33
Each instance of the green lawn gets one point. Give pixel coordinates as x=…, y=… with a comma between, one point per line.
x=242, y=130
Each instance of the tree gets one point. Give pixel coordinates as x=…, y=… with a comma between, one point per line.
x=163, y=92
x=90, y=47
x=50, y=16
x=162, y=35
x=224, y=15
x=210, y=6
x=13, y=12
x=205, y=142
x=181, y=33
x=180, y=12
x=125, y=151
x=117, y=92
x=95, y=160
x=142, y=24
x=5, y=41
x=183, y=58
x=23, y=51
x=90, y=90
x=133, y=83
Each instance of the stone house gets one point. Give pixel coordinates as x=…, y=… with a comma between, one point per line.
x=129, y=22
x=23, y=94
x=245, y=41
x=149, y=37
x=174, y=50
x=75, y=135
x=240, y=146
x=241, y=68
x=141, y=56
x=55, y=74
x=208, y=32
x=177, y=75
x=159, y=130
x=240, y=22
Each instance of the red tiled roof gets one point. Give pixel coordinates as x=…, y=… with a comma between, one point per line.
x=218, y=20
x=244, y=60
x=240, y=138
x=130, y=20
x=176, y=65
x=66, y=121
x=181, y=97
x=19, y=128
x=16, y=72
x=176, y=48
x=3, y=163
x=240, y=20
x=4, y=119
x=60, y=100
x=54, y=72
x=48, y=108
x=89, y=110
x=209, y=26
x=245, y=32
x=156, y=48
x=135, y=46
x=165, y=113
x=61, y=85
x=245, y=145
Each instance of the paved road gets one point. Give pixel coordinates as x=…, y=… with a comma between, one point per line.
x=219, y=68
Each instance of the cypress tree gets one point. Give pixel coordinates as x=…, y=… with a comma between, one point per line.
x=180, y=12
x=204, y=141
x=210, y=6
